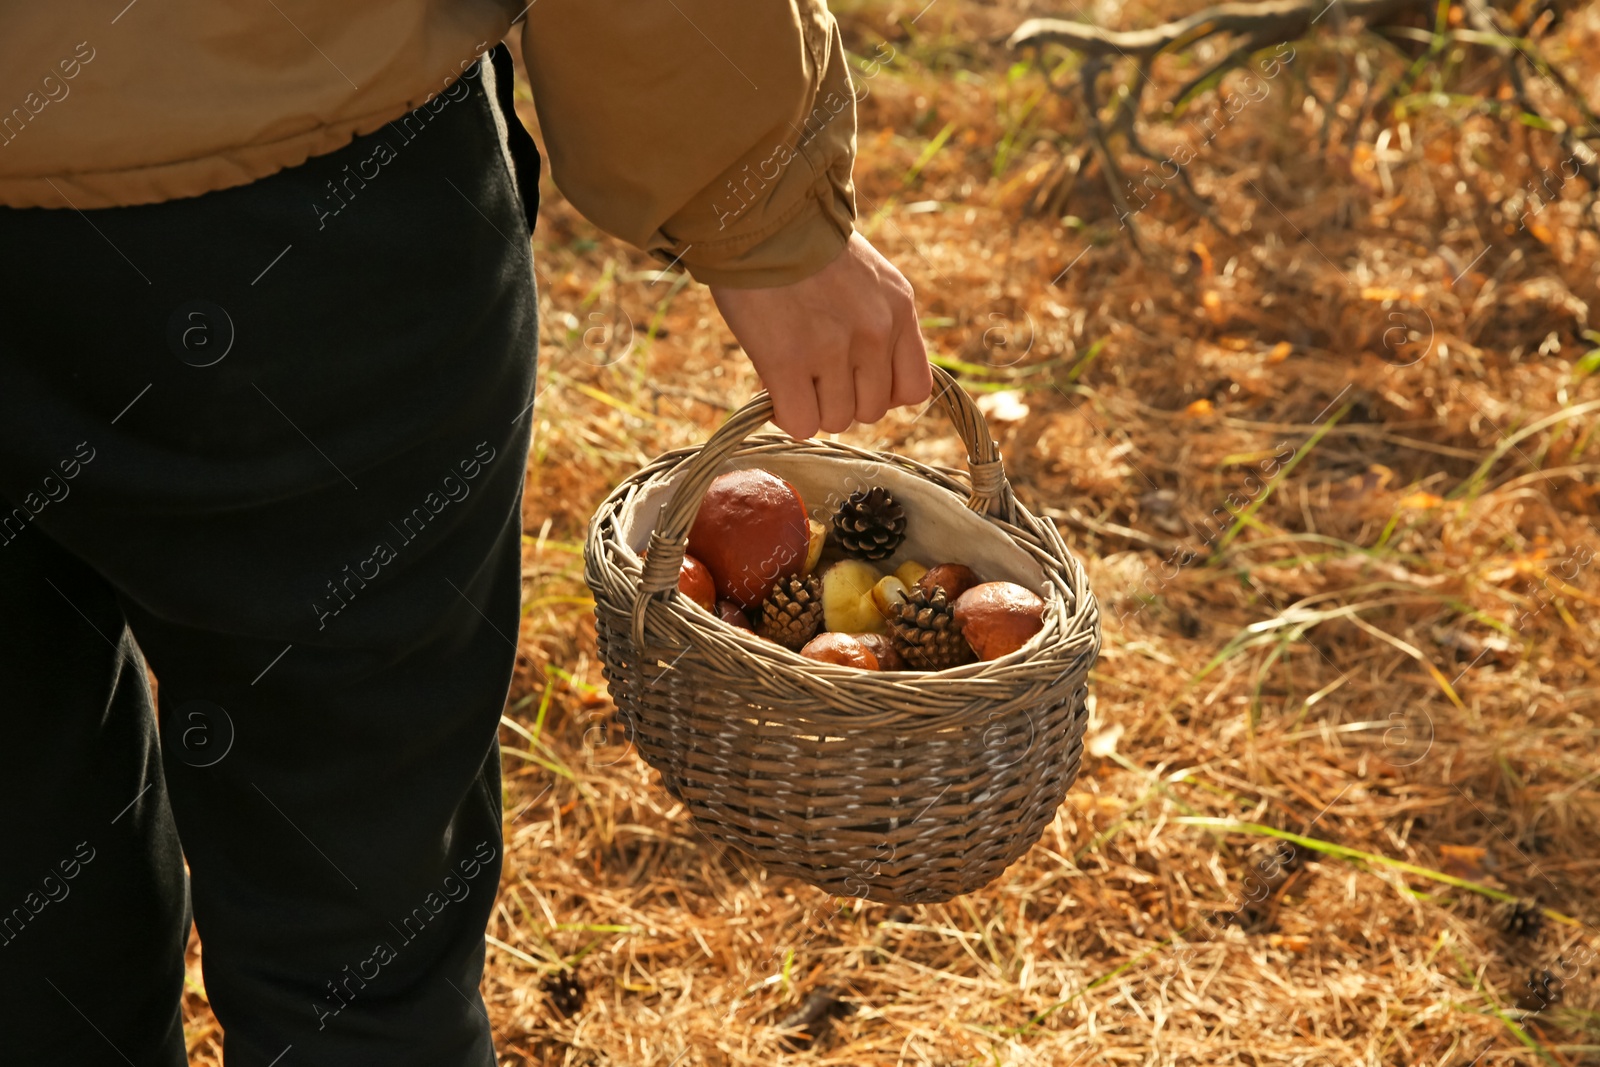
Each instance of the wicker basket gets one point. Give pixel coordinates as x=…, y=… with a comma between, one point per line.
x=905, y=786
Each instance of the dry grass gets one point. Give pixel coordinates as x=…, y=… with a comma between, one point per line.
x=1389, y=652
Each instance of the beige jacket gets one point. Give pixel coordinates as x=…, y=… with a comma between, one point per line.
x=718, y=133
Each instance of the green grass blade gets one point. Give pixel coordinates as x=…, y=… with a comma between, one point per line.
x=1278, y=479
x=1328, y=848
x=928, y=153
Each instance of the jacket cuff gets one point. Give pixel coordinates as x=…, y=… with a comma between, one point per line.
x=809, y=238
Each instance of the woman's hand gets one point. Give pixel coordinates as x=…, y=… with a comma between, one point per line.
x=838, y=347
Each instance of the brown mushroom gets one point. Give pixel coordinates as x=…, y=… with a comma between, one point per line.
x=997, y=618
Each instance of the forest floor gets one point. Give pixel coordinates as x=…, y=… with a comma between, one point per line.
x=1329, y=458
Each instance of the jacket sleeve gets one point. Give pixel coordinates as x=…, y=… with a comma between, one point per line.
x=715, y=133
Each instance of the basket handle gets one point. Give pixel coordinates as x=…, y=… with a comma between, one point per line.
x=991, y=493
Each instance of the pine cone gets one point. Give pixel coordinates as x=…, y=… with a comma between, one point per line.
x=1543, y=990
x=925, y=633
x=1521, y=918
x=870, y=524
x=792, y=613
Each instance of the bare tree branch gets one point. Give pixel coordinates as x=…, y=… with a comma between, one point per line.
x=1253, y=27
x=1280, y=20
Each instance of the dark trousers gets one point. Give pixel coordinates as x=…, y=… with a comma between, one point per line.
x=269, y=441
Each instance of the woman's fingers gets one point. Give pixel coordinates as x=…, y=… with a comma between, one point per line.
x=794, y=399
x=840, y=346
x=913, y=381
x=836, y=398
x=873, y=375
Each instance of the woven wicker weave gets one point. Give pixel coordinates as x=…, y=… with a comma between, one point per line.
x=904, y=786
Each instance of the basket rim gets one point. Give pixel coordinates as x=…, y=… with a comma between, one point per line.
x=1065, y=615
